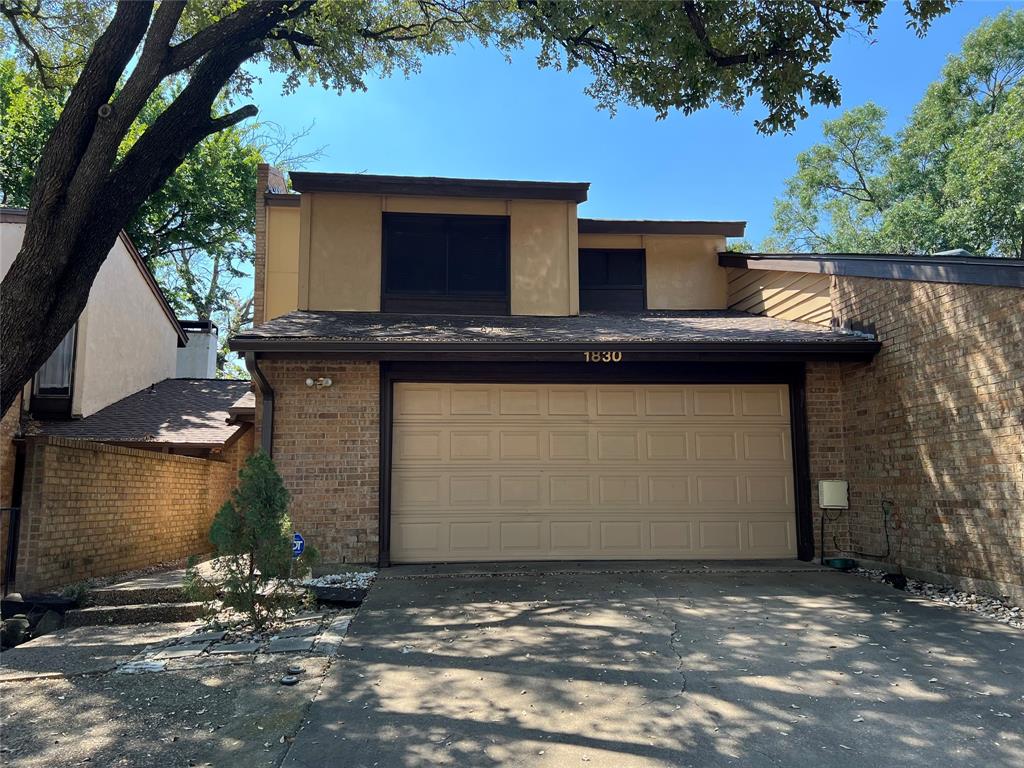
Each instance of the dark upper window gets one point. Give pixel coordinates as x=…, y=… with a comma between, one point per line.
x=51, y=386
x=612, y=279
x=445, y=263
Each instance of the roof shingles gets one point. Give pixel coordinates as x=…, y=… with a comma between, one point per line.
x=649, y=327
x=173, y=411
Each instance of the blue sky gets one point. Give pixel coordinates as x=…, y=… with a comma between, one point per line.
x=472, y=114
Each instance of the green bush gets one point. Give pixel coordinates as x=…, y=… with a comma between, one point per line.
x=252, y=538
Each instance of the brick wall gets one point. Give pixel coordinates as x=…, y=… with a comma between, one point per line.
x=826, y=450
x=326, y=447
x=935, y=424
x=91, y=509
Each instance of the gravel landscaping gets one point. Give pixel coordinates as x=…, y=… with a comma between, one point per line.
x=986, y=605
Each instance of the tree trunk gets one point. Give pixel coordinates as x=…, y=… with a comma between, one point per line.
x=82, y=197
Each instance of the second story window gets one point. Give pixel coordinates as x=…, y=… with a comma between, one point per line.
x=612, y=280
x=445, y=263
x=51, y=387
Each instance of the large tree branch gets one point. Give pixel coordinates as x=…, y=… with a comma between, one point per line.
x=64, y=150
x=719, y=58
x=252, y=20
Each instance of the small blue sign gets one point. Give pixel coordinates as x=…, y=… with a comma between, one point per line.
x=298, y=545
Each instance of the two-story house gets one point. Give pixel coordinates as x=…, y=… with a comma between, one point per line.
x=466, y=370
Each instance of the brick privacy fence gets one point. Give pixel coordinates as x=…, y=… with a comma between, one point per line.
x=934, y=424
x=326, y=447
x=91, y=509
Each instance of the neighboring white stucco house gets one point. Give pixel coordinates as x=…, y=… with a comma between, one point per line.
x=126, y=338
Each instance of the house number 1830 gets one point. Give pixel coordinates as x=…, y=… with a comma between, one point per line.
x=602, y=357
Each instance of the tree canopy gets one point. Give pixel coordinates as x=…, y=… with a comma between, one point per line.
x=114, y=57
x=950, y=179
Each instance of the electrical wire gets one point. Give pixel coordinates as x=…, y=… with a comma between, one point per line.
x=890, y=520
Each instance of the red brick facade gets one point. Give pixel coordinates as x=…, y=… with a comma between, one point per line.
x=326, y=447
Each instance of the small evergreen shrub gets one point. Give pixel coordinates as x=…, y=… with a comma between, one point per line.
x=252, y=538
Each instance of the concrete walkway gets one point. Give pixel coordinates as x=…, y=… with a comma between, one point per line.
x=662, y=668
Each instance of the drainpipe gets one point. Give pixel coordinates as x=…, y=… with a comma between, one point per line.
x=267, y=391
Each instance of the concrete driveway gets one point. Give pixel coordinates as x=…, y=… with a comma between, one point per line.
x=665, y=668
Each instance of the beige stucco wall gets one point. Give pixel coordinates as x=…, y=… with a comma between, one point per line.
x=282, y=274
x=339, y=253
x=682, y=270
x=11, y=234
x=125, y=341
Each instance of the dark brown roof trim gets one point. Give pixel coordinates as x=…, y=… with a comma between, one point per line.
x=641, y=227
x=967, y=270
x=305, y=181
x=280, y=200
x=12, y=215
x=852, y=349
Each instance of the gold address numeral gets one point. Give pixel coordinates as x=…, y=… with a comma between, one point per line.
x=602, y=357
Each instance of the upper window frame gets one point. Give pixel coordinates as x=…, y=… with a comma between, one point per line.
x=454, y=304
x=56, y=405
x=610, y=291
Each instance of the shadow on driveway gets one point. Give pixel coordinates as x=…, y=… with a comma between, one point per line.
x=665, y=669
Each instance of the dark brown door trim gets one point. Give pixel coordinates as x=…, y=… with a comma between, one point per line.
x=790, y=374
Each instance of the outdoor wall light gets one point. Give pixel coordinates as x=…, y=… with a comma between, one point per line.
x=319, y=383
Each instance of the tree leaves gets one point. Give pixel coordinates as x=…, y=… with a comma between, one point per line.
x=951, y=178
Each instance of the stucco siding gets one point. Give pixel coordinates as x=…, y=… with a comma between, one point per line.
x=542, y=280
x=282, y=273
x=11, y=235
x=682, y=270
x=340, y=241
x=125, y=341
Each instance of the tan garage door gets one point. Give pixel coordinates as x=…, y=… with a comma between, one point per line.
x=545, y=472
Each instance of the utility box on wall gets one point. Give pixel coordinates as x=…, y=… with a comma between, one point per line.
x=833, y=494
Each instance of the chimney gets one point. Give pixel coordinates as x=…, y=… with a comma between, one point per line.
x=269, y=180
x=198, y=358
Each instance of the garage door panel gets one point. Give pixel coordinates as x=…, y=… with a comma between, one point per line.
x=572, y=536
x=668, y=490
x=570, y=490
x=465, y=445
x=764, y=402
x=520, y=402
x=520, y=446
x=568, y=402
x=486, y=472
x=415, y=445
x=569, y=446
x=417, y=400
x=471, y=490
x=471, y=401
x=521, y=536
x=519, y=490
x=671, y=536
x=618, y=446
x=715, y=446
x=714, y=401
x=667, y=446
x=470, y=535
x=667, y=401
